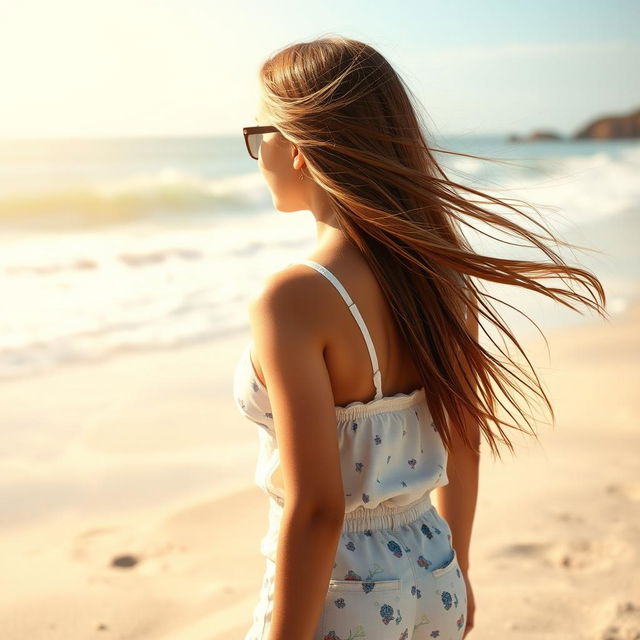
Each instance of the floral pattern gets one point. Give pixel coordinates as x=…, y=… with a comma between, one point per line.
x=419, y=574
x=391, y=454
x=386, y=456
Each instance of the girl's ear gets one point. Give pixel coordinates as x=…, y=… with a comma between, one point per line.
x=298, y=160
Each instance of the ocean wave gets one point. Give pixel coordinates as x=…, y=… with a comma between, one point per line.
x=168, y=191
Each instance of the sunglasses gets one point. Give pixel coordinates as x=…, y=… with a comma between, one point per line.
x=253, y=138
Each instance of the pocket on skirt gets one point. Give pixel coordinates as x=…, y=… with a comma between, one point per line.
x=365, y=586
x=371, y=609
x=449, y=607
x=450, y=564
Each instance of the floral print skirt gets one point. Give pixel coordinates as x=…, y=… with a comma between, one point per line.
x=395, y=577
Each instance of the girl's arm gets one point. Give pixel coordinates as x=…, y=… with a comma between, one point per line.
x=456, y=501
x=287, y=324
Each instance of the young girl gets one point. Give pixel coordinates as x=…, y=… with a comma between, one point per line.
x=365, y=371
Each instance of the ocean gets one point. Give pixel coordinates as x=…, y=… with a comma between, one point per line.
x=114, y=245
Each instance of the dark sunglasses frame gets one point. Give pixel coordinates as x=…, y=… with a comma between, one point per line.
x=247, y=131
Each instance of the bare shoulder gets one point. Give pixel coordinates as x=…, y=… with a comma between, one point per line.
x=294, y=298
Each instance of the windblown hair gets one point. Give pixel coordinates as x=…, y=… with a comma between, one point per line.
x=343, y=105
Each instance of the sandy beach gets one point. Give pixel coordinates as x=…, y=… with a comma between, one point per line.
x=129, y=510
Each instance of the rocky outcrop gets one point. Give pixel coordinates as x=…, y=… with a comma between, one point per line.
x=536, y=135
x=604, y=128
x=611, y=127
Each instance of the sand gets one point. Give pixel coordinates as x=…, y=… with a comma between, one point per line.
x=129, y=510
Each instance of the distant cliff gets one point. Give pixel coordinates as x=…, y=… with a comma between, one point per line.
x=604, y=128
x=536, y=135
x=610, y=127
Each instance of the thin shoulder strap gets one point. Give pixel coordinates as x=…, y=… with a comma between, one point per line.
x=377, y=377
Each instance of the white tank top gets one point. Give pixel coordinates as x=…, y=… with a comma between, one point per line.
x=390, y=450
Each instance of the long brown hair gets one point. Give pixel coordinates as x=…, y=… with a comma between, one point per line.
x=350, y=113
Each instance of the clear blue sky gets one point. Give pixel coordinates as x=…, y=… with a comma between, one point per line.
x=127, y=67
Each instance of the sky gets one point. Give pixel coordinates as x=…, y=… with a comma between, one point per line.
x=76, y=68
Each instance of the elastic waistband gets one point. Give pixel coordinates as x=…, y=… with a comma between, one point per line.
x=380, y=517
x=384, y=516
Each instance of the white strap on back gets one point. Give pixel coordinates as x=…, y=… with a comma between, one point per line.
x=377, y=377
